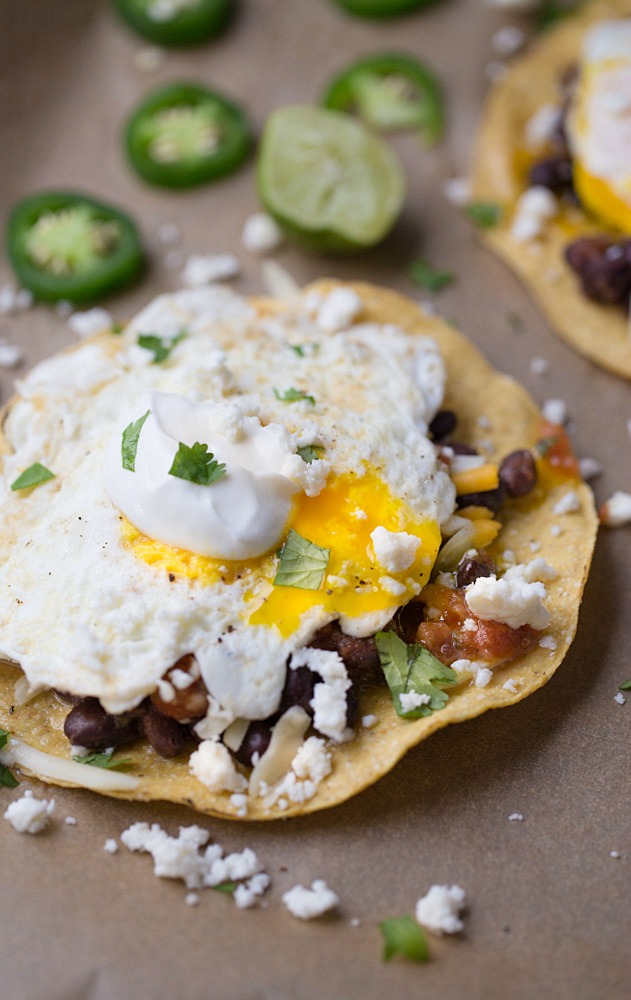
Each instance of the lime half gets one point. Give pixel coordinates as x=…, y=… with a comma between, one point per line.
x=328, y=180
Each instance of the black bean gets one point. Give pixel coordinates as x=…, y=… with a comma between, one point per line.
x=298, y=690
x=554, y=173
x=256, y=740
x=493, y=499
x=459, y=448
x=89, y=725
x=408, y=619
x=168, y=737
x=443, y=424
x=518, y=472
x=604, y=268
x=360, y=655
x=472, y=567
x=352, y=708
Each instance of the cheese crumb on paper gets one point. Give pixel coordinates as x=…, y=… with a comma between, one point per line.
x=28, y=814
x=309, y=903
x=439, y=909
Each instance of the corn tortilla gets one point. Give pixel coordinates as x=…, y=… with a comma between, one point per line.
x=474, y=389
x=599, y=332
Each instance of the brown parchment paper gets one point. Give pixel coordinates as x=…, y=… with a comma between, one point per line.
x=548, y=912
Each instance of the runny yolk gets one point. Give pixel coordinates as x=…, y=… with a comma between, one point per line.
x=340, y=519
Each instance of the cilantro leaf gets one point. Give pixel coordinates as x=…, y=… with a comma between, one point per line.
x=33, y=476
x=310, y=452
x=7, y=780
x=104, y=760
x=129, y=445
x=485, y=214
x=429, y=278
x=625, y=686
x=403, y=936
x=297, y=349
x=543, y=445
x=161, y=347
x=413, y=669
x=197, y=465
x=294, y=396
x=552, y=11
x=227, y=887
x=302, y=563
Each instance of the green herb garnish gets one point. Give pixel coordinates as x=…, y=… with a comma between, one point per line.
x=625, y=686
x=485, y=214
x=129, y=445
x=310, y=452
x=117, y=329
x=542, y=447
x=197, y=465
x=160, y=347
x=429, y=278
x=403, y=936
x=293, y=396
x=302, y=563
x=552, y=11
x=33, y=476
x=297, y=349
x=413, y=669
x=227, y=887
x=7, y=780
x=104, y=760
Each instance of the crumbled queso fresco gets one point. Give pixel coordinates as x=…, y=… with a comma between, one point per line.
x=439, y=909
x=28, y=814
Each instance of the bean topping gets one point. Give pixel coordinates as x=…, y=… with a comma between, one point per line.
x=472, y=567
x=298, y=690
x=167, y=736
x=604, y=267
x=360, y=655
x=518, y=473
x=89, y=725
x=554, y=173
x=256, y=740
x=493, y=499
x=443, y=424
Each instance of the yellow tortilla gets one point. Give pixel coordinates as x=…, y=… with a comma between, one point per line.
x=474, y=390
x=599, y=332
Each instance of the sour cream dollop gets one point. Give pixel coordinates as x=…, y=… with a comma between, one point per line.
x=242, y=515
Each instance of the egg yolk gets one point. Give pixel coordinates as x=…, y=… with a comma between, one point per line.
x=341, y=519
x=597, y=195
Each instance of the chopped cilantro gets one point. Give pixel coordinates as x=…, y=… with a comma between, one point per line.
x=625, y=686
x=129, y=445
x=117, y=328
x=197, y=465
x=7, y=780
x=297, y=349
x=411, y=669
x=551, y=11
x=33, y=476
x=542, y=447
x=161, y=347
x=403, y=936
x=103, y=760
x=227, y=887
x=302, y=563
x=485, y=214
x=293, y=396
x=310, y=452
x=429, y=278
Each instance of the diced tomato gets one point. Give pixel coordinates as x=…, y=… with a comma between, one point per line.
x=556, y=462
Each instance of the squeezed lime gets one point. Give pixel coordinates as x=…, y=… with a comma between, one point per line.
x=328, y=180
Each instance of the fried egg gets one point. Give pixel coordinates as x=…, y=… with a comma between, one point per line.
x=115, y=569
x=599, y=124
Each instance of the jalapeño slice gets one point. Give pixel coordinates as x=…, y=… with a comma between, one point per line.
x=390, y=91
x=66, y=246
x=382, y=8
x=176, y=22
x=184, y=134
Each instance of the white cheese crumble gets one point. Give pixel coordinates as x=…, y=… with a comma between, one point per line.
x=90, y=322
x=539, y=366
x=392, y=586
x=510, y=685
x=412, y=699
x=329, y=695
x=202, y=270
x=513, y=601
x=310, y=765
x=516, y=818
x=70, y=821
x=179, y=857
x=568, y=504
x=248, y=893
x=439, y=909
x=620, y=698
x=213, y=765
x=338, y=310
x=616, y=511
x=309, y=903
x=548, y=642
x=261, y=234
x=541, y=126
x=110, y=846
x=394, y=550
x=10, y=354
x=507, y=40
x=457, y=191
x=28, y=814
x=368, y=721
x=191, y=899
x=534, y=208
x=590, y=468
x=483, y=676
x=555, y=411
